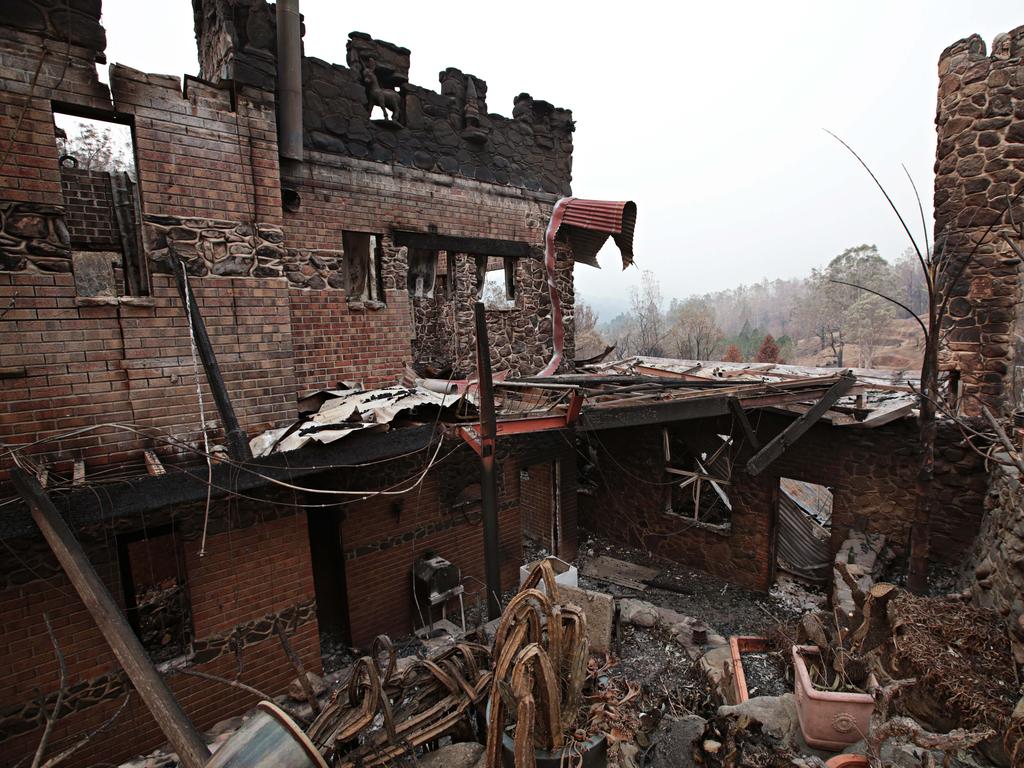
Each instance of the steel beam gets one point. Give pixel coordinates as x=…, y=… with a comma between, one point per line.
x=488, y=480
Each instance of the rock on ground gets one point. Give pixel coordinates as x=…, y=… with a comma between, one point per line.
x=465, y=754
x=673, y=742
x=776, y=714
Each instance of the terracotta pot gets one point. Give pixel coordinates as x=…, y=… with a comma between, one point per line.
x=738, y=645
x=828, y=719
x=847, y=761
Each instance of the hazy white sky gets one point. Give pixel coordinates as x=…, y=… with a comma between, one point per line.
x=709, y=115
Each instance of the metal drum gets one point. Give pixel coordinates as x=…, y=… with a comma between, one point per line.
x=269, y=739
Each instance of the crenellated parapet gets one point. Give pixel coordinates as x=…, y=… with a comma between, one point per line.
x=368, y=109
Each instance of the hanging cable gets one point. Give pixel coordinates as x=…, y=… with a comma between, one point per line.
x=202, y=409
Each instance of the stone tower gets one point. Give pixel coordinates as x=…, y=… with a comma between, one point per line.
x=979, y=166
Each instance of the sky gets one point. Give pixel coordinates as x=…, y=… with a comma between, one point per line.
x=711, y=116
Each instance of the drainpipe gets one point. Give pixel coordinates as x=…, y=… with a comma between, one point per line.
x=289, y=81
x=557, y=324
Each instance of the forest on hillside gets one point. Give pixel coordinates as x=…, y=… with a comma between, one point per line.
x=821, y=317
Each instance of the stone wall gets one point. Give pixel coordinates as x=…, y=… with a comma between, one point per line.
x=77, y=21
x=214, y=246
x=978, y=170
x=33, y=237
x=994, y=571
x=450, y=132
x=870, y=471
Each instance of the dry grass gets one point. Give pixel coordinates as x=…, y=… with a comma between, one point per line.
x=960, y=656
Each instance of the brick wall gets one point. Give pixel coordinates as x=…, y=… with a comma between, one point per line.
x=209, y=152
x=90, y=365
x=334, y=342
x=89, y=209
x=537, y=503
x=229, y=595
x=382, y=537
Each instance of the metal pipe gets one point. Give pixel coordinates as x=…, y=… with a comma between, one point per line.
x=126, y=647
x=557, y=330
x=289, y=80
x=488, y=481
x=237, y=440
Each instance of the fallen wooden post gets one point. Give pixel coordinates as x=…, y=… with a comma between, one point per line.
x=155, y=694
x=778, y=444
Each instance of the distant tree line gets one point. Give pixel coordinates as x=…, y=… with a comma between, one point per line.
x=763, y=322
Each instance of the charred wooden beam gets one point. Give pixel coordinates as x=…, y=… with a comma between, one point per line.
x=666, y=411
x=488, y=480
x=741, y=417
x=477, y=246
x=112, y=623
x=237, y=440
x=778, y=444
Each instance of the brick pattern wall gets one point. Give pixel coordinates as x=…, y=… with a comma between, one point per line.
x=223, y=594
x=31, y=172
x=89, y=209
x=89, y=365
x=537, y=503
x=382, y=537
x=204, y=153
x=334, y=342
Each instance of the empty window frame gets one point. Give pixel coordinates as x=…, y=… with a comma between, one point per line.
x=101, y=203
x=364, y=278
x=422, y=272
x=496, y=286
x=155, y=586
x=698, y=482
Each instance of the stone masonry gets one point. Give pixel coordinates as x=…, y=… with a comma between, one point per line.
x=978, y=170
x=994, y=574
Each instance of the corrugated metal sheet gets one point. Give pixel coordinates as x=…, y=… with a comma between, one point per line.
x=815, y=500
x=590, y=222
x=803, y=545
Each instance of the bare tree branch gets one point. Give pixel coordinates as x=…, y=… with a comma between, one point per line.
x=883, y=191
x=51, y=718
x=924, y=229
x=89, y=736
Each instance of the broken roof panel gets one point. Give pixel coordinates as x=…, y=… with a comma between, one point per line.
x=590, y=222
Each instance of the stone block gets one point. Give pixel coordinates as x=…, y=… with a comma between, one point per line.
x=599, y=608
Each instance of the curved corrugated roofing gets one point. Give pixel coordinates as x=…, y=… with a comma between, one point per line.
x=588, y=223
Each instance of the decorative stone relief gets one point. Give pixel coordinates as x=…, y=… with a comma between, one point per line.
x=33, y=237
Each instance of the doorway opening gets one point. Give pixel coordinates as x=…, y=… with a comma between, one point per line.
x=804, y=529
x=329, y=585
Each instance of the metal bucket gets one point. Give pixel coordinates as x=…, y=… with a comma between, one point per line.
x=269, y=739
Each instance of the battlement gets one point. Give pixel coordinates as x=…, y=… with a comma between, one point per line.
x=368, y=109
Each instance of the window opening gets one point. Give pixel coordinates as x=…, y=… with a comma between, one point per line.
x=102, y=213
x=496, y=282
x=703, y=476
x=422, y=272
x=154, y=583
x=364, y=273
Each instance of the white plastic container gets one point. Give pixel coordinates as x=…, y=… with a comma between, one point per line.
x=565, y=573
